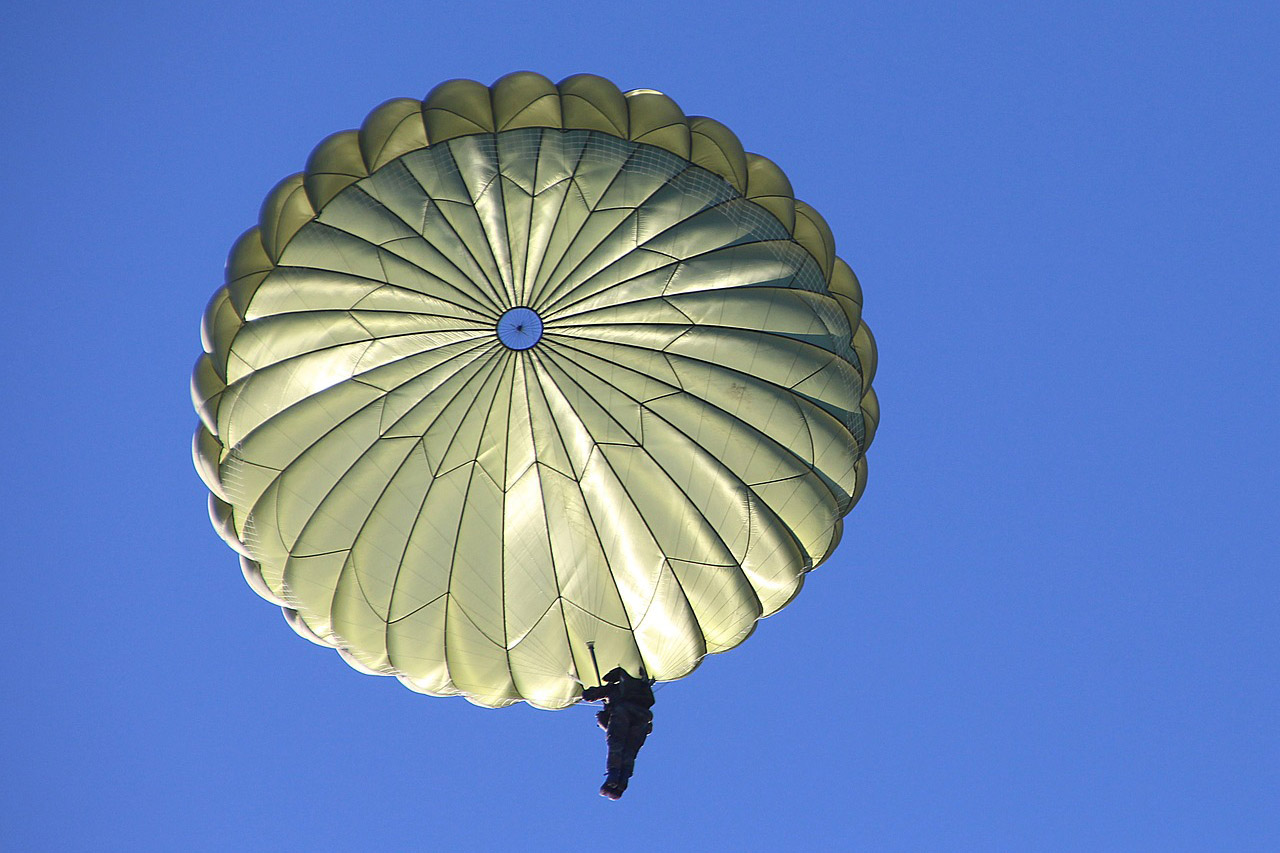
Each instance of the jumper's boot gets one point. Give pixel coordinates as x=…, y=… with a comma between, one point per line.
x=613, y=786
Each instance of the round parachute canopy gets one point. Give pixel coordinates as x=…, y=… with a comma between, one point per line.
x=516, y=371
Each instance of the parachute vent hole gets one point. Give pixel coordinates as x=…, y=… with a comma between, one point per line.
x=519, y=328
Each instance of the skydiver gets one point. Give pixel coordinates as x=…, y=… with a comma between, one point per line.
x=626, y=719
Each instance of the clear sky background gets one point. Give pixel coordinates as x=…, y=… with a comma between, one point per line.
x=1052, y=623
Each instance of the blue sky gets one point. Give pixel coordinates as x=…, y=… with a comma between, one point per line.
x=1052, y=623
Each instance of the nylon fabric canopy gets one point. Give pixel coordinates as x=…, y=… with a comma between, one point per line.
x=519, y=368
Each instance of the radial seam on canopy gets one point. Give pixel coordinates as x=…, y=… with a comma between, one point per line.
x=750, y=427
x=419, y=232
x=500, y=286
x=593, y=209
x=387, y=247
x=453, y=563
x=558, y=294
x=639, y=443
x=546, y=523
x=731, y=474
x=532, y=281
x=490, y=294
x=630, y=629
x=335, y=428
x=557, y=308
x=480, y=365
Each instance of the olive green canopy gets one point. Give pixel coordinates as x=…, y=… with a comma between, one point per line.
x=520, y=368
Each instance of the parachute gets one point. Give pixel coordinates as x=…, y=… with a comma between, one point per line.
x=516, y=369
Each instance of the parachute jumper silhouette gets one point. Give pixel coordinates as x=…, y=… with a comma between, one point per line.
x=520, y=368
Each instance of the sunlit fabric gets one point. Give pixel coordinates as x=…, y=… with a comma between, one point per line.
x=520, y=368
